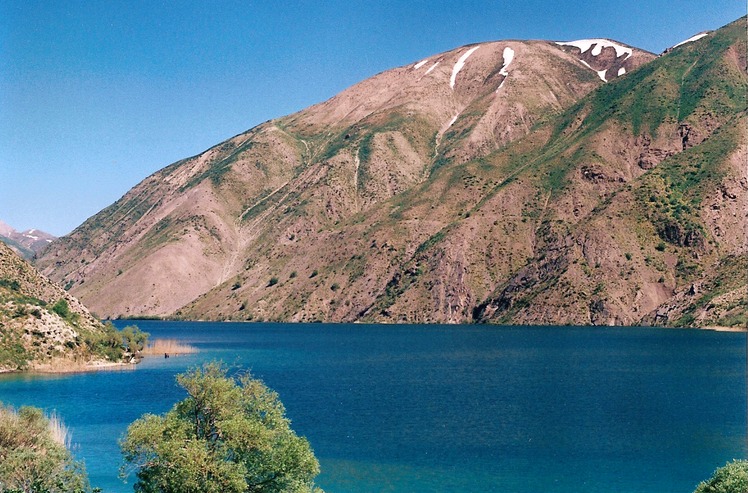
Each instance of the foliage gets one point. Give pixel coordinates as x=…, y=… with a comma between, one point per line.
x=62, y=308
x=228, y=435
x=11, y=284
x=134, y=339
x=114, y=345
x=12, y=352
x=33, y=456
x=732, y=478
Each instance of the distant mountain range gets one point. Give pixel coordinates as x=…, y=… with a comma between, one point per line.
x=517, y=182
x=26, y=243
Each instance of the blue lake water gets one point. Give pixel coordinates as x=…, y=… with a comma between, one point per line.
x=449, y=408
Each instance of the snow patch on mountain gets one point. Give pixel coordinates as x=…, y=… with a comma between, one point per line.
x=420, y=64
x=692, y=38
x=508, y=57
x=599, y=44
x=621, y=71
x=432, y=68
x=600, y=73
x=458, y=66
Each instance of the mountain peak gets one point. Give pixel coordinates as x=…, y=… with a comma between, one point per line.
x=510, y=181
x=26, y=243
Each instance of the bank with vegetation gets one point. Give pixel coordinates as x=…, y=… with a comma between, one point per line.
x=44, y=328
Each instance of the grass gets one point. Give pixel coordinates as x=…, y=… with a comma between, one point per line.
x=59, y=432
x=168, y=346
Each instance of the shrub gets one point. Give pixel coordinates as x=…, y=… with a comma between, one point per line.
x=11, y=284
x=731, y=478
x=273, y=281
x=134, y=339
x=33, y=454
x=62, y=308
x=228, y=435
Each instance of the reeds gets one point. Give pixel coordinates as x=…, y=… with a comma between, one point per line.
x=168, y=346
x=59, y=432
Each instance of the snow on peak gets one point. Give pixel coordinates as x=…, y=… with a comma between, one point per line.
x=420, y=64
x=586, y=44
x=508, y=57
x=458, y=66
x=692, y=38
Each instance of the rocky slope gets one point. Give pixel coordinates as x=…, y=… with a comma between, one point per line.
x=42, y=327
x=513, y=182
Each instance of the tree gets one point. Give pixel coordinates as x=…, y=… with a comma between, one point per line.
x=33, y=454
x=134, y=339
x=732, y=478
x=228, y=435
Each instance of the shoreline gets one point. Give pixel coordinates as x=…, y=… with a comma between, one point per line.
x=58, y=367
x=725, y=329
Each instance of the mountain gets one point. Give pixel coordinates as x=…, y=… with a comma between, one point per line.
x=514, y=182
x=44, y=327
x=27, y=243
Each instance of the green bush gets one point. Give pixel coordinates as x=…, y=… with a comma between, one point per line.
x=732, y=478
x=33, y=454
x=134, y=339
x=11, y=284
x=115, y=345
x=228, y=435
x=62, y=309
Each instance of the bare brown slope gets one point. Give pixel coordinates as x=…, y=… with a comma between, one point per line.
x=269, y=197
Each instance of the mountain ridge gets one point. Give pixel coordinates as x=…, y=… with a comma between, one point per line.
x=329, y=213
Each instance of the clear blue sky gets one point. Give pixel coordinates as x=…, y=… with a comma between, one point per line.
x=97, y=95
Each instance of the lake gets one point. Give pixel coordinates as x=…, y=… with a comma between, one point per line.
x=448, y=408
